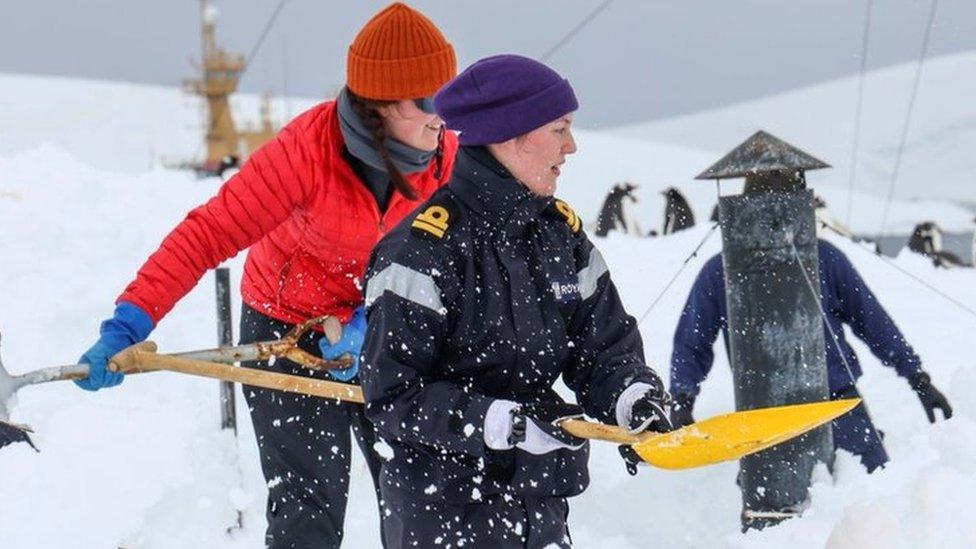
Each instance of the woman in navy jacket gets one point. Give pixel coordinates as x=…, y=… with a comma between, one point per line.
x=476, y=306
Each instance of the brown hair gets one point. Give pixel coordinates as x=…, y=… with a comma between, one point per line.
x=368, y=112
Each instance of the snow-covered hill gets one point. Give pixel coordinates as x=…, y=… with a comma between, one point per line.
x=144, y=466
x=131, y=128
x=938, y=161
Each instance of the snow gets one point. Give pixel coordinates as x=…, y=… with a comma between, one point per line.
x=144, y=465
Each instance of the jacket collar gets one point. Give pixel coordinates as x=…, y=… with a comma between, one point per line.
x=359, y=141
x=337, y=167
x=487, y=187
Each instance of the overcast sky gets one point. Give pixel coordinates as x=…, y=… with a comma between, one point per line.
x=638, y=60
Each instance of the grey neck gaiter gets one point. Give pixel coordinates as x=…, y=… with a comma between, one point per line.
x=359, y=141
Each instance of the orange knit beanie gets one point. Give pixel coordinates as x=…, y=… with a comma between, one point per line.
x=399, y=54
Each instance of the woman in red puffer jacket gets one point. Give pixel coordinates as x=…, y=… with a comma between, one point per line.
x=311, y=204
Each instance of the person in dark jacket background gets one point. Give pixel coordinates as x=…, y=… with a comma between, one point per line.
x=475, y=306
x=846, y=300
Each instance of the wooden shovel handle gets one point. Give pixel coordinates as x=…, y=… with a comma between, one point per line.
x=599, y=431
x=142, y=357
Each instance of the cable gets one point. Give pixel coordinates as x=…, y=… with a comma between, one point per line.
x=857, y=111
x=677, y=274
x=908, y=115
x=569, y=35
x=264, y=34
x=247, y=64
x=823, y=315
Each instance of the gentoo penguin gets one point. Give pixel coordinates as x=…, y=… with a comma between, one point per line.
x=612, y=213
x=926, y=239
x=677, y=213
x=973, y=248
x=824, y=220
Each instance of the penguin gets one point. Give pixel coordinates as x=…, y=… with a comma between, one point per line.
x=612, y=213
x=926, y=240
x=677, y=213
x=825, y=221
x=972, y=248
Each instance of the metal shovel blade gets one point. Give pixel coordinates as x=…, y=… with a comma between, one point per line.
x=731, y=436
x=11, y=433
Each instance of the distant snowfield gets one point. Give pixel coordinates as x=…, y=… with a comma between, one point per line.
x=938, y=161
x=144, y=465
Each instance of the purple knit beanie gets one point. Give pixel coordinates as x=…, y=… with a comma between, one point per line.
x=502, y=97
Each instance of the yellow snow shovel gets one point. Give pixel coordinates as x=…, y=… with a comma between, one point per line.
x=720, y=438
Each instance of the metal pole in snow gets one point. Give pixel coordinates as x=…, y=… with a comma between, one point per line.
x=225, y=338
x=775, y=333
x=776, y=341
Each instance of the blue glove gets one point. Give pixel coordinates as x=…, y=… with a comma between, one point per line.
x=350, y=343
x=129, y=326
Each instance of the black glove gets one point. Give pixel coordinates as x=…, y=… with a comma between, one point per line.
x=681, y=410
x=651, y=412
x=931, y=397
x=536, y=430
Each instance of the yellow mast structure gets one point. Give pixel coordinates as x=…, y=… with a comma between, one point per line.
x=221, y=74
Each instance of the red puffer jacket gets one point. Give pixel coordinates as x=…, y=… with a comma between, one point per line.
x=310, y=219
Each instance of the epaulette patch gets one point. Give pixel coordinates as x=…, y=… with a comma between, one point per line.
x=434, y=220
x=567, y=212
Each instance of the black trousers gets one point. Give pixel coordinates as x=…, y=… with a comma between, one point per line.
x=305, y=448
x=856, y=433
x=500, y=521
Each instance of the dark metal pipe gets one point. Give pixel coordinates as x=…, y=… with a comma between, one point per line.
x=225, y=338
x=776, y=340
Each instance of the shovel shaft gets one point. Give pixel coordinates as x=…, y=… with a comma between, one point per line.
x=143, y=358
x=224, y=355
x=599, y=431
x=53, y=373
x=282, y=348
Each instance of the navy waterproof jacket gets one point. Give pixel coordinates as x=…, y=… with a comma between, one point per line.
x=488, y=292
x=846, y=300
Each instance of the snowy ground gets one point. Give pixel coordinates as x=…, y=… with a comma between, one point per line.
x=144, y=465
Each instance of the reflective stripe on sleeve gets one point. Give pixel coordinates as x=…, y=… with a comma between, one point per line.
x=590, y=275
x=407, y=283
